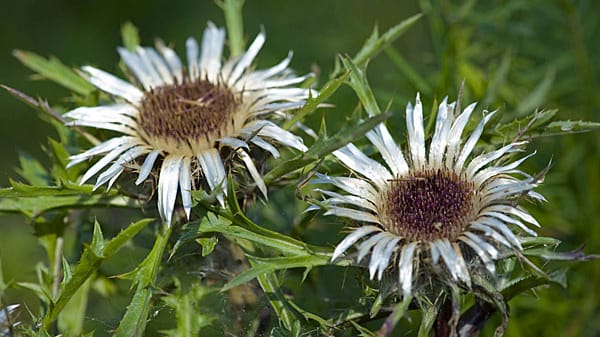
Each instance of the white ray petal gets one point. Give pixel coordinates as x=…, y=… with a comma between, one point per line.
x=456, y=133
x=100, y=164
x=260, y=183
x=336, y=199
x=274, y=70
x=416, y=134
x=172, y=61
x=212, y=50
x=290, y=94
x=462, y=270
x=502, y=229
x=185, y=185
x=505, y=191
x=443, y=122
x=151, y=66
x=521, y=213
x=378, y=253
x=167, y=187
x=279, y=106
x=159, y=64
x=256, y=140
x=146, y=167
x=192, y=57
x=103, y=147
x=499, y=183
x=489, y=172
x=386, y=255
x=99, y=114
x=471, y=141
x=453, y=260
x=491, y=232
x=485, y=258
x=365, y=247
x=275, y=83
x=268, y=129
x=233, y=143
x=128, y=130
x=353, y=214
x=435, y=252
x=351, y=238
x=117, y=167
x=247, y=58
x=380, y=137
x=353, y=186
x=113, y=85
x=537, y=196
x=214, y=172
x=405, y=268
x=508, y=219
x=112, y=110
x=144, y=75
x=485, y=158
x=357, y=161
x=487, y=247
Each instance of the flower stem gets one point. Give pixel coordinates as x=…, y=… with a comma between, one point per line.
x=235, y=25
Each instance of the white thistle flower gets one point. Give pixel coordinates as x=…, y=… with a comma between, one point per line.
x=181, y=115
x=432, y=209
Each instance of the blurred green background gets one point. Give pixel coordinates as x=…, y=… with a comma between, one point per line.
x=515, y=55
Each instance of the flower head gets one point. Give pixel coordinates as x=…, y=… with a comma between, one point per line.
x=444, y=210
x=180, y=116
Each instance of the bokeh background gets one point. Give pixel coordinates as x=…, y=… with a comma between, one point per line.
x=514, y=55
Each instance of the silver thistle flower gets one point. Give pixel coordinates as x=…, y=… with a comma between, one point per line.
x=185, y=115
x=432, y=207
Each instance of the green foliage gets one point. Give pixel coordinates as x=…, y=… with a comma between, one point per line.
x=56, y=71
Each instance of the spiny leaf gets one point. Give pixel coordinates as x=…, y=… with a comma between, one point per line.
x=313, y=103
x=134, y=321
x=358, y=82
x=32, y=170
x=564, y=127
x=56, y=71
x=259, y=235
x=33, y=201
x=91, y=259
x=523, y=127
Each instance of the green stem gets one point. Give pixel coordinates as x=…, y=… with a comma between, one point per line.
x=235, y=25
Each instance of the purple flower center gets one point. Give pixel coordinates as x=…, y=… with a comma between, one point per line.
x=428, y=206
